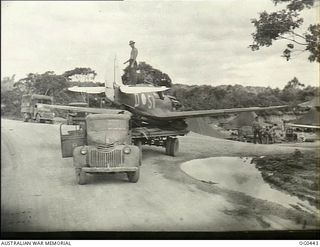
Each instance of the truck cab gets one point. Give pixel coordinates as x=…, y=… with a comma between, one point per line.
x=77, y=118
x=103, y=146
x=30, y=109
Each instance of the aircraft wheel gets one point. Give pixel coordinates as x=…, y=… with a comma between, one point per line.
x=80, y=177
x=174, y=147
x=38, y=120
x=133, y=177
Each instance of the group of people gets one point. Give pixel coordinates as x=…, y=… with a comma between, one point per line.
x=259, y=133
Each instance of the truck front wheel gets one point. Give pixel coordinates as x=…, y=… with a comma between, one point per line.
x=25, y=117
x=133, y=177
x=168, y=146
x=138, y=143
x=80, y=177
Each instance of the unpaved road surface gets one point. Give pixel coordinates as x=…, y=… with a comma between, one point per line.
x=39, y=192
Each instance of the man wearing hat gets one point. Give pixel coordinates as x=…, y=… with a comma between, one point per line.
x=132, y=63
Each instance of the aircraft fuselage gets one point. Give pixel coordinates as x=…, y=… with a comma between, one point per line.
x=145, y=106
x=149, y=103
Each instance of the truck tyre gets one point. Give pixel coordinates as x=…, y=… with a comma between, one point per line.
x=168, y=146
x=138, y=143
x=174, y=147
x=80, y=177
x=133, y=177
x=38, y=120
x=25, y=117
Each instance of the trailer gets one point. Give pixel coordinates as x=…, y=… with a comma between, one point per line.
x=158, y=137
x=153, y=136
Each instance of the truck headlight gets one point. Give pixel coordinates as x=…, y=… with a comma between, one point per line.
x=127, y=150
x=83, y=151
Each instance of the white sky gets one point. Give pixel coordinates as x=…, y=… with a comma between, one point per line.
x=193, y=42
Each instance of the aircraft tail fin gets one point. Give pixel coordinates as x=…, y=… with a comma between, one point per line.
x=109, y=91
x=117, y=81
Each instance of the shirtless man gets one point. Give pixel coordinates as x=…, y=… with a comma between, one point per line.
x=132, y=63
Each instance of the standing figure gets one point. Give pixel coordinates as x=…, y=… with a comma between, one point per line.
x=132, y=64
x=256, y=127
x=272, y=132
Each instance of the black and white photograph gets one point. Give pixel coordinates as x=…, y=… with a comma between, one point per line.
x=194, y=118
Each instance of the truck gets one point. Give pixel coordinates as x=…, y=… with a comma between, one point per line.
x=31, y=111
x=290, y=135
x=104, y=145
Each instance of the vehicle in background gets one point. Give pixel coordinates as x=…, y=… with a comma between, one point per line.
x=77, y=118
x=32, y=111
x=305, y=133
x=104, y=145
x=245, y=134
x=290, y=135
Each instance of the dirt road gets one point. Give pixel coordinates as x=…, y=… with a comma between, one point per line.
x=39, y=192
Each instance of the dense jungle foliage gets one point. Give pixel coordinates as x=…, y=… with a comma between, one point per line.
x=192, y=97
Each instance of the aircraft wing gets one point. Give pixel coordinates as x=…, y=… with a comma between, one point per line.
x=303, y=126
x=123, y=88
x=90, y=90
x=167, y=115
x=159, y=114
x=75, y=108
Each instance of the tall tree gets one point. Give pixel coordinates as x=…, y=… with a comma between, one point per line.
x=293, y=84
x=285, y=24
x=291, y=90
x=7, y=83
x=80, y=74
x=47, y=83
x=148, y=74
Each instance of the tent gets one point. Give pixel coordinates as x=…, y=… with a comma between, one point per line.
x=312, y=117
x=315, y=102
x=200, y=126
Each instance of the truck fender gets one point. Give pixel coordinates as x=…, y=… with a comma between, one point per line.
x=79, y=159
x=134, y=158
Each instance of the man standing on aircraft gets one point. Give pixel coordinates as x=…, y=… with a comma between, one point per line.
x=256, y=127
x=132, y=64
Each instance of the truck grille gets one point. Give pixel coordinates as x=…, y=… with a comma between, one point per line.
x=105, y=158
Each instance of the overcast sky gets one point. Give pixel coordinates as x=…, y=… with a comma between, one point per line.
x=193, y=42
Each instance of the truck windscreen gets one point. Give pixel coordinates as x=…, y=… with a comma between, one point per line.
x=104, y=131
